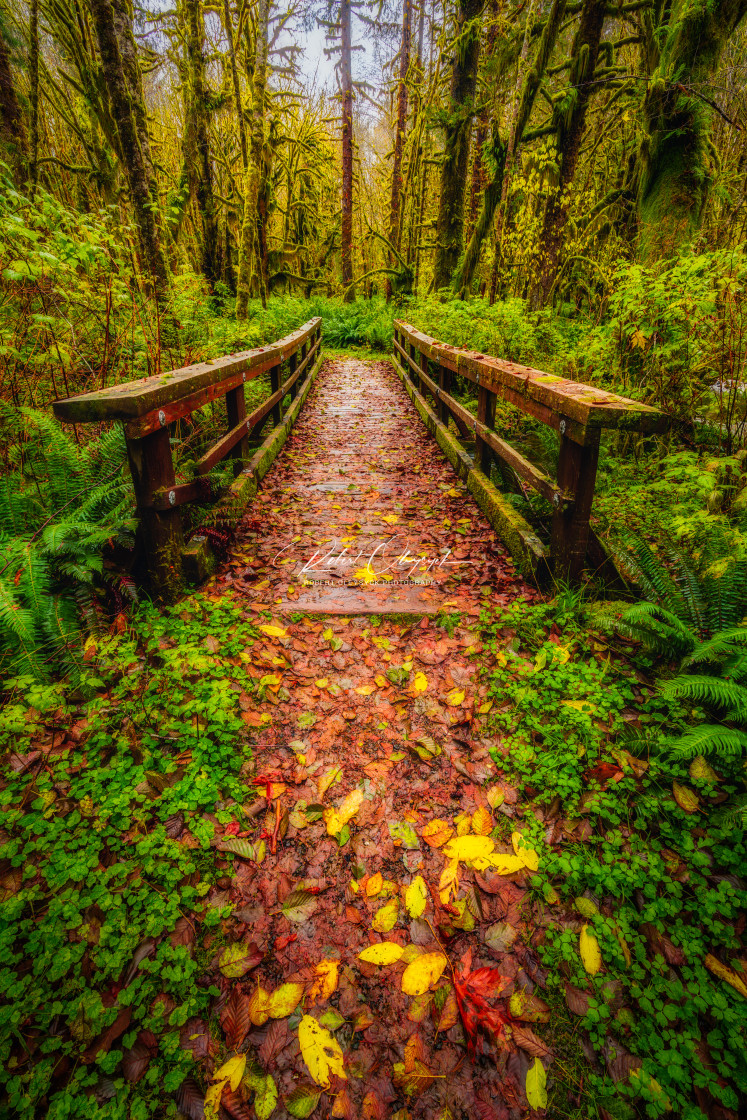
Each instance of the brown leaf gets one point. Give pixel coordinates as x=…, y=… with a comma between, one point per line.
x=577, y=1000
x=190, y=1099
x=529, y=1041
x=136, y=1060
x=235, y=1019
x=106, y=1038
x=619, y=1061
x=275, y=1041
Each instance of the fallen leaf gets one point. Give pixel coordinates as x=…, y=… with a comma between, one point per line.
x=416, y=897
x=482, y=821
x=386, y=917
x=284, y=1000
x=730, y=975
x=336, y=819
x=437, y=832
x=320, y=1051
x=385, y=952
x=469, y=849
x=424, y=971
x=273, y=631
x=591, y=956
x=685, y=797
x=327, y=975
x=536, y=1083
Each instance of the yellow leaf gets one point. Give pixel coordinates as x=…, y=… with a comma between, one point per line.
x=496, y=797
x=320, y=1050
x=386, y=952
x=686, y=798
x=524, y=852
x=259, y=1006
x=336, y=819
x=230, y=1073
x=365, y=690
x=284, y=1000
x=322, y=682
x=334, y=774
x=391, y=518
x=536, y=1085
x=365, y=575
x=589, y=949
x=416, y=897
x=701, y=771
x=482, y=822
x=485, y=708
x=327, y=974
x=381, y=681
x=437, y=832
x=455, y=697
x=505, y=865
x=580, y=705
x=374, y=885
x=730, y=975
x=385, y=918
x=424, y=971
x=469, y=848
x=273, y=631
x=419, y=682
x=449, y=881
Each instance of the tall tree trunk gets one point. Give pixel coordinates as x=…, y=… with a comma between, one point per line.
x=505, y=154
x=203, y=168
x=228, y=24
x=450, y=226
x=34, y=94
x=122, y=13
x=346, y=81
x=399, y=139
x=250, y=269
x=677, y=169
x=12, y=129
x=478, y=178
x=570, y=122
x=135, y=167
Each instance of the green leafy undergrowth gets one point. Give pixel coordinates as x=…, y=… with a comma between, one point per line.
x=642, y=860
x=109, y=809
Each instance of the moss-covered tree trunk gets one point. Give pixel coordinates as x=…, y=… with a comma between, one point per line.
x=504, y=153
x=250, y=270
x=458, y=129
x=12, y=127
x=346, y=82
x=238, y=108
x=34, y=94
x=399, y=137
x=569, y=116
x=202, y=168
x=134, y=163
x=676, y=155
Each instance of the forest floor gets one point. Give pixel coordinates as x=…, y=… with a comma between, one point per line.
x=382, y=797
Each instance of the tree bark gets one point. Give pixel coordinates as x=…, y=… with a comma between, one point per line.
x=346, y=82
x=250, y=269
x=228, y=24
x=134, y=163
x=200, y=122
x=570, y=122
x=34, y=94
x=12, y=128
x=450, y=225
x=676, y=163
x=399, y=139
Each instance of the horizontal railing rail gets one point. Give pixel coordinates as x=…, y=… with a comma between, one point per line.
x=147, y=407
x=577, y=412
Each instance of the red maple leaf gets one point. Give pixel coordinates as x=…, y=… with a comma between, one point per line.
x=473, y=990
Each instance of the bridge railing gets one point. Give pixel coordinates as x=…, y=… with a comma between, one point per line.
x=577, y=412
x=147, y=407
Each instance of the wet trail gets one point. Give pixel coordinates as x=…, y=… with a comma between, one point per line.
x=366, y=561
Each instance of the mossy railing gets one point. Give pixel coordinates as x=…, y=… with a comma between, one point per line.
x=577, y=412
x=149, y=406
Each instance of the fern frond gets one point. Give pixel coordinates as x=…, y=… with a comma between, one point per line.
x=658, y=628
x=710, y=738
x=726, y=643
x=713, y=692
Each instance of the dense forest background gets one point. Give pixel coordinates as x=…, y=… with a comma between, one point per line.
x=562, y=184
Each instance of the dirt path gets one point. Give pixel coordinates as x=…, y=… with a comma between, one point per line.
x=360, y=687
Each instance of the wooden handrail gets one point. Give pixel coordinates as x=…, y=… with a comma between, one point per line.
x=149, y=405
x=576, y=411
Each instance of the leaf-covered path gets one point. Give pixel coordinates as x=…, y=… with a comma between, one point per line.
x=376, y=792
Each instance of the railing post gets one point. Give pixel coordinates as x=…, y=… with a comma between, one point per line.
x=152, y=469
x=444, y=382
x=236, y=412
x=485, y=415
x=577, y=472
x=423, y=363
x=293, y=363
x=277, y=409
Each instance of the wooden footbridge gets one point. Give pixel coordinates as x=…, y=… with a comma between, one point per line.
x=152, y=408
